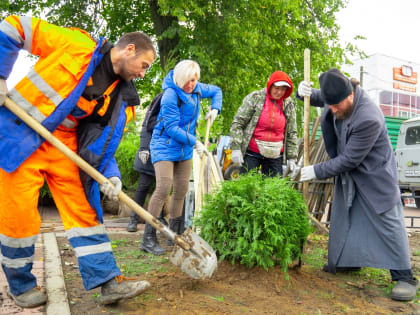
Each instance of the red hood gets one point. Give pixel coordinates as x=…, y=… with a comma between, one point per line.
x=280, y=76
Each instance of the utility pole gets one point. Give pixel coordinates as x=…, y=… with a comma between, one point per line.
x=361, y=76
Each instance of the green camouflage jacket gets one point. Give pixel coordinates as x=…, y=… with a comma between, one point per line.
x=247, y=117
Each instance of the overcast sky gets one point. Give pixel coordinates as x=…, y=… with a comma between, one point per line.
x=391, y=28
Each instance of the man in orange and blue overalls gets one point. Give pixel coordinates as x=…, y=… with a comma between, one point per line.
x=81, y=90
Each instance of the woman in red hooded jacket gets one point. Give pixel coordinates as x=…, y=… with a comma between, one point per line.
x=264, y=132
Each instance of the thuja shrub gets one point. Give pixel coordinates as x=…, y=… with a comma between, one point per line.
x=255, y=220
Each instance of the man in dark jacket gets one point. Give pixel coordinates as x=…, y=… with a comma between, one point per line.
x=367, y=223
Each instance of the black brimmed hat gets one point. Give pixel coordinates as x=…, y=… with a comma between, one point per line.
x=335, y=86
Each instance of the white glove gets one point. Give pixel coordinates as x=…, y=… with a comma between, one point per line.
x=307, y=173
x=3, y=91
x=211, y=115
x=144, y=156
x=237, y=157
x=200, y=148
x=305, y=89
x=291, y=164
x=111, y=191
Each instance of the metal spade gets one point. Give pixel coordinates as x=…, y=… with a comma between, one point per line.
x=191, y=253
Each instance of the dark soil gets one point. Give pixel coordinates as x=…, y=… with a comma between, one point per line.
x=236, y=289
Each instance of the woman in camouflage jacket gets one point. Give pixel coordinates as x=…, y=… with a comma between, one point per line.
x=264, y=130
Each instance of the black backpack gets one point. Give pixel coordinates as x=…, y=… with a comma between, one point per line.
x=153, y=112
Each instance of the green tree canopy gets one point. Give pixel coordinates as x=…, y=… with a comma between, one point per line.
x=238, y=43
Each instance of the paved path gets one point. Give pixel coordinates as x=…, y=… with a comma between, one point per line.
x=47, y=268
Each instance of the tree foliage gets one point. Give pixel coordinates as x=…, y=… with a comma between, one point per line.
x=238, y=43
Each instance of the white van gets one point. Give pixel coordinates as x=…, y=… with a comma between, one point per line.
x=407, y=154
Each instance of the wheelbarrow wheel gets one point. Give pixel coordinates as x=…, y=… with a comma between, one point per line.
x=232, y=172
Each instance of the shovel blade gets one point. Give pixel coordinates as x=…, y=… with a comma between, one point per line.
x=200, y=261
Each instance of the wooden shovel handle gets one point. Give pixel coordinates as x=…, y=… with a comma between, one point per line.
x=306, y=100
x=88, y=169
x=203, y=161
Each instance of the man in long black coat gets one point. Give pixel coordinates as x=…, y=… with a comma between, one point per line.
x=367, y=226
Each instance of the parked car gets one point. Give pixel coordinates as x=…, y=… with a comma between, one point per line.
x=407, y=153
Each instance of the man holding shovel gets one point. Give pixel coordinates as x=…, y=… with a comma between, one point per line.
x=81, y=90
x=367, y=223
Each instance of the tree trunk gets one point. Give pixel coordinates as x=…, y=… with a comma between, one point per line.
x=161, y=23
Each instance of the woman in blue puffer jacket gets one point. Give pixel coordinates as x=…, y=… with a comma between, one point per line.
x=173, y=142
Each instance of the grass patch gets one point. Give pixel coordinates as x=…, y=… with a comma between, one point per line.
x=327, y=295
x=217, y=298
x=380, y=277
x=416, y=253
x=316, y=257
x=144, y=297
x=70, y=276
x=315, y=253
x=119, y=242
x=370, y=278
x=134, y=262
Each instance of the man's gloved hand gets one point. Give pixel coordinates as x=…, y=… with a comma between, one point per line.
x=305, y=89
x=111, y=191
x=307, y=173
x=3, y=91
x=291, y=164
x=237, y=157
x=200, y=148
x=144, y=156
x=211, y=115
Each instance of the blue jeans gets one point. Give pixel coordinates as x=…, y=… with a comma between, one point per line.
x=269, y=167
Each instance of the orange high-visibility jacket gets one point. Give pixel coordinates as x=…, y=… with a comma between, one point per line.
x=51, y=92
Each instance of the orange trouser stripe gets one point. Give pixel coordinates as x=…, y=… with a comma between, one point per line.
x=19, y=191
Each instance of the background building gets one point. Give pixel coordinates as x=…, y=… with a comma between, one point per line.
x=391, y=82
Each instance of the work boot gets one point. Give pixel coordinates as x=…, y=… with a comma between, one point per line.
x=176, y=225
x=121, y=288
x=149, y=242
x=31, y=298
x=134, y=220
x=404, y=291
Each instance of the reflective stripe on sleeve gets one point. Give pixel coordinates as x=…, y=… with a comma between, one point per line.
x=44, y=87
x=26, y=106
x=33, y=110
x=10, y=31
x=26, y=23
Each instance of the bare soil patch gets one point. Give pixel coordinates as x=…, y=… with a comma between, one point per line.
x=236, y=289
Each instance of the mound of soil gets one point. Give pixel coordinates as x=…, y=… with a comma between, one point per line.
x=236, y=289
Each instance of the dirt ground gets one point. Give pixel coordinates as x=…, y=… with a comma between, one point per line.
x=236, y=289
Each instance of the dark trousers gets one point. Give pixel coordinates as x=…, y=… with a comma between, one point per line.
x=403, y=275
x=145, y=182
x=269, y=167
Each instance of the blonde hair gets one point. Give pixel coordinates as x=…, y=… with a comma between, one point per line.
x=184, y=71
